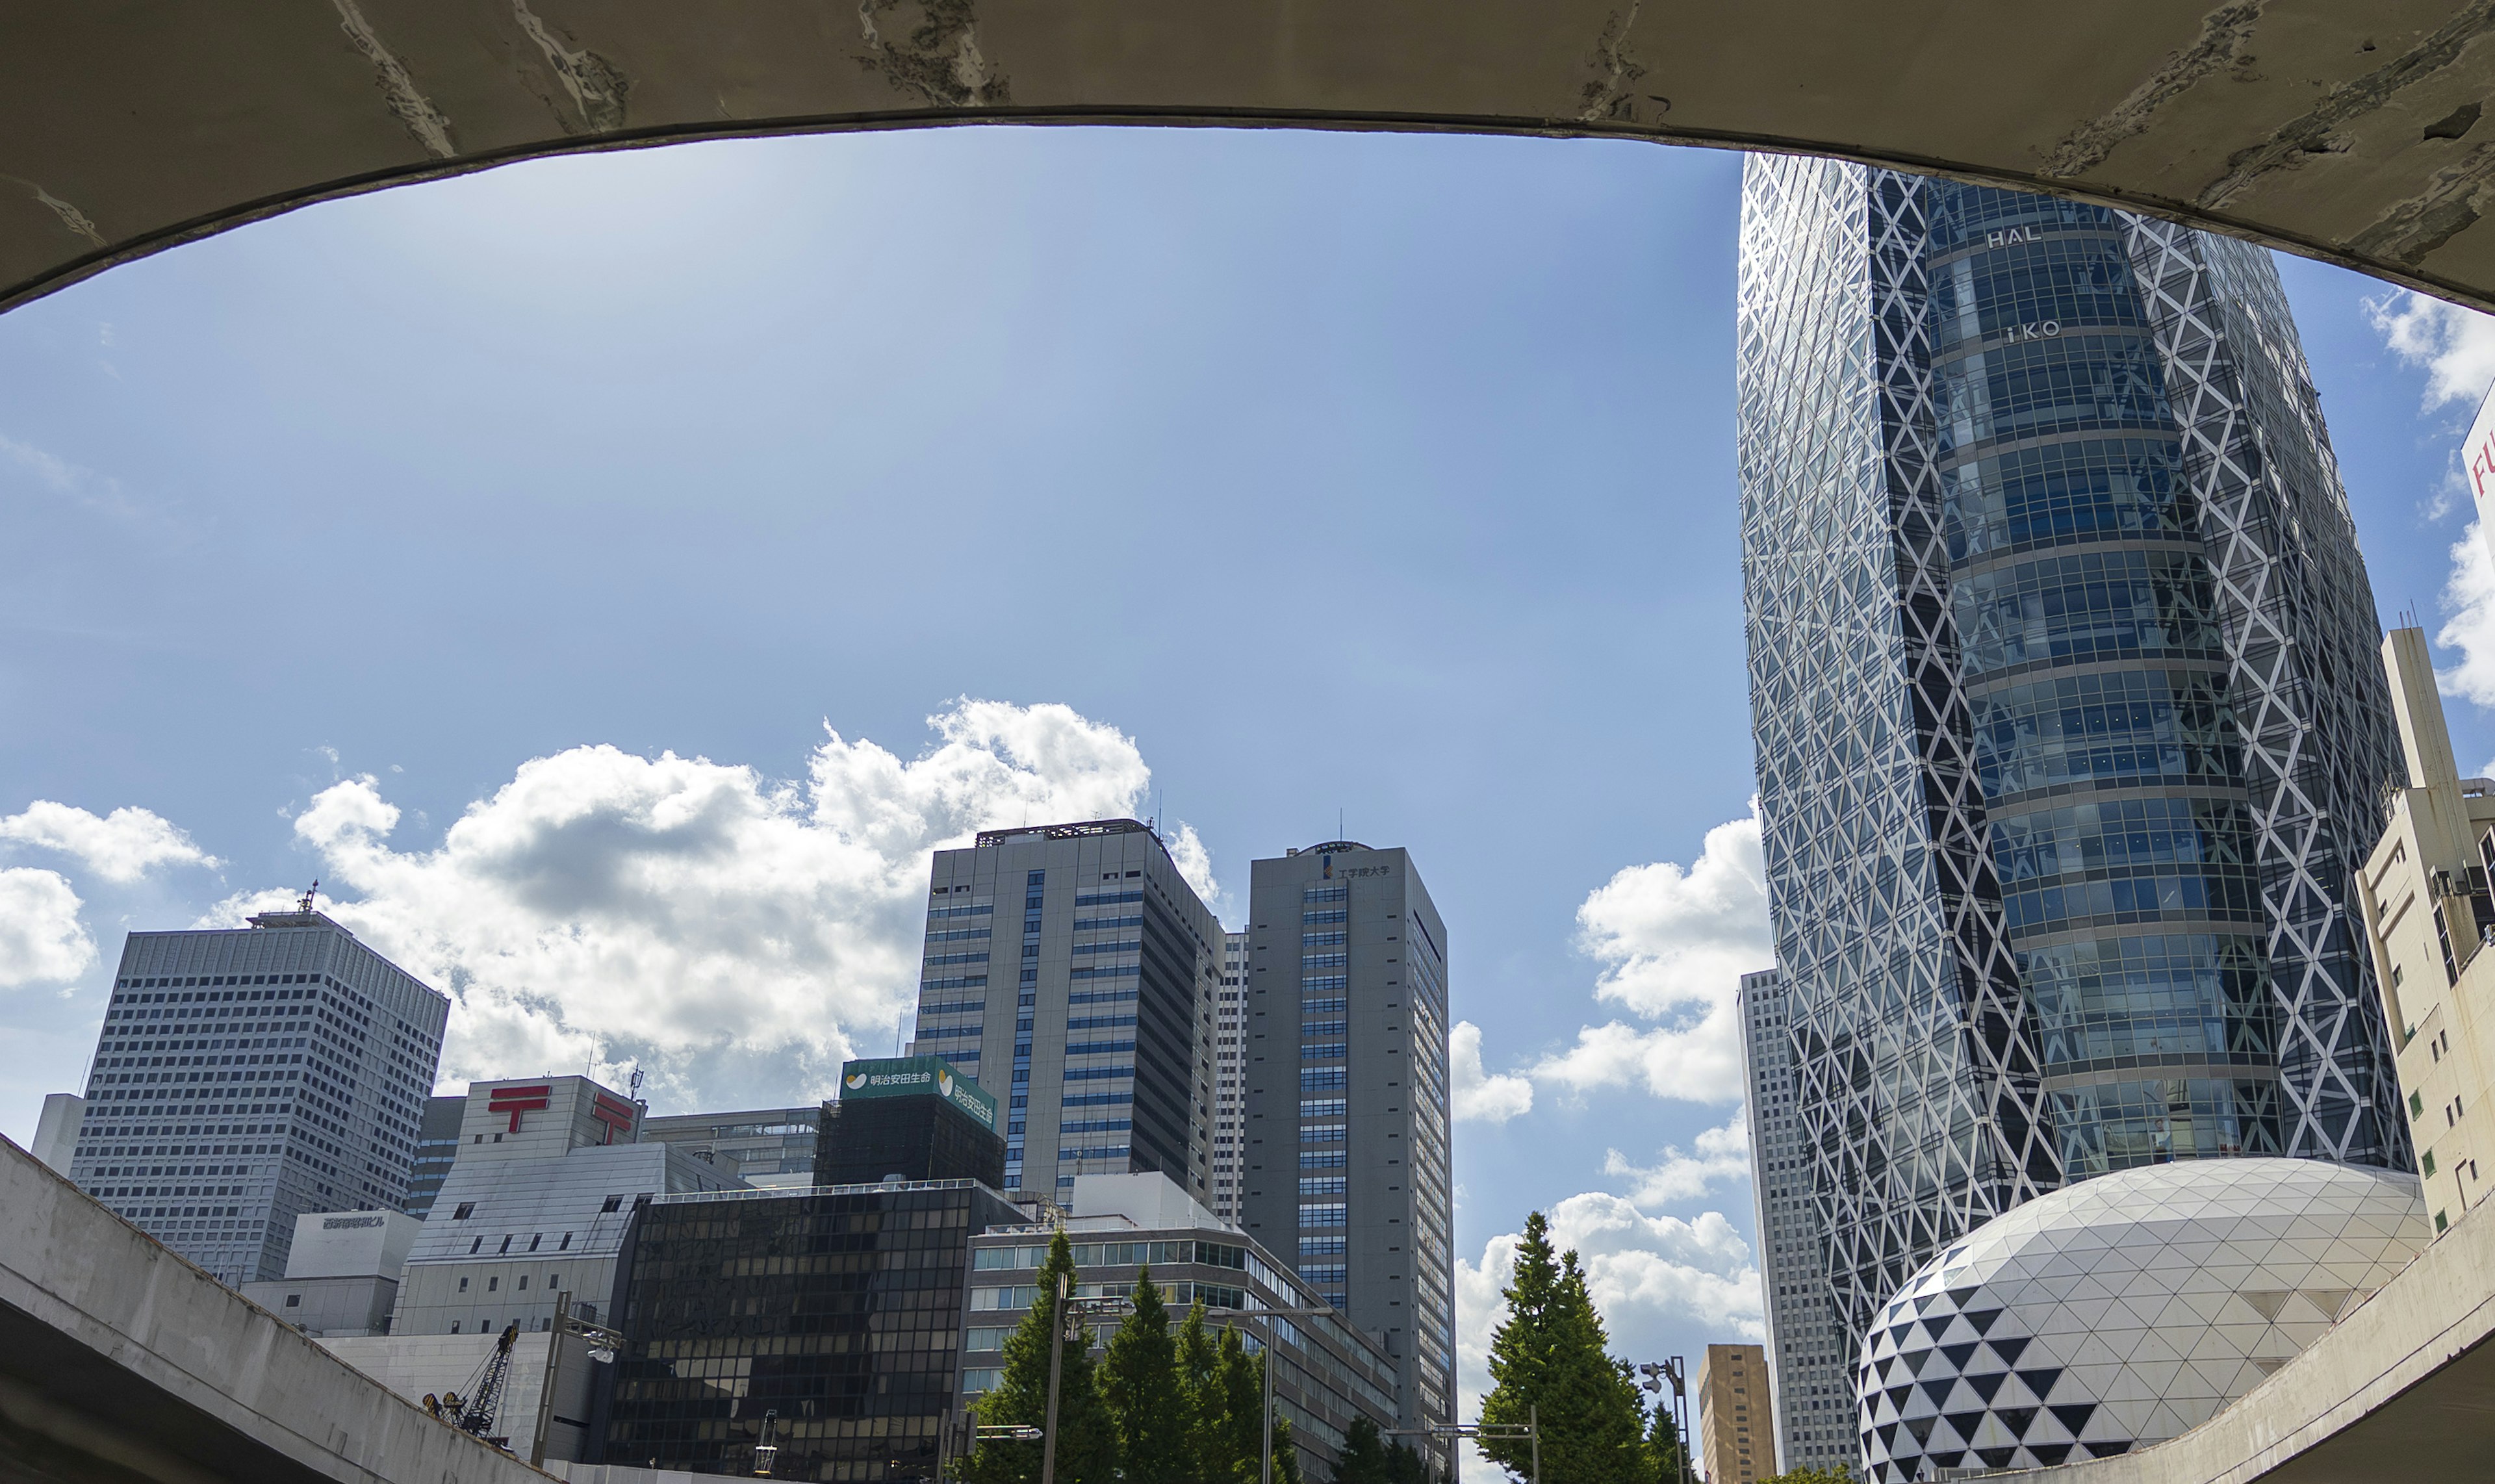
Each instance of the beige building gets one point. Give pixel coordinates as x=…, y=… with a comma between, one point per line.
x=1736, y=1427
x=2427, y=913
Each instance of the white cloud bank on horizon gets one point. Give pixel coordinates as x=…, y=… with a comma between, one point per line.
x=1479, y=1096
x=2455, y=345
x=1674, y=945
x=120, y=847
x=737, y=936
x=1718, y=1156
x=41, y=941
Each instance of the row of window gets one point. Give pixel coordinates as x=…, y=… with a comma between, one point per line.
x=2081, y=489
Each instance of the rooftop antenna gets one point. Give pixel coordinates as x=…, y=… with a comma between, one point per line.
x=303, y=903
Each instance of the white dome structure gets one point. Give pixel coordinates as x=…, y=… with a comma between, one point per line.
x=2122, y=1311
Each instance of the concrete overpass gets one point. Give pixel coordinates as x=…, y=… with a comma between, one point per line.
x=119, y=1363
x=2347, y=132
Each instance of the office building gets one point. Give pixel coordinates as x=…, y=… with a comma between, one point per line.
x=767, y=1148
x=436, y=1144
x=535, y=1209
x=342, y=1272
x=1737, y=1438
x=909, y=1118
x=1229, y=1084
x=1093, y=1017
x=1809, y=1385
x=1347, y=1114
x=1326, y=1374
x=246, y=1076
x=833, y=1316
x=2428, y=919
x=2069, y=731
x=2123, y=1310
x=56, y=1130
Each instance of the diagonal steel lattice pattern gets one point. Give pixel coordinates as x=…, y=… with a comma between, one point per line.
x=1924, y=1088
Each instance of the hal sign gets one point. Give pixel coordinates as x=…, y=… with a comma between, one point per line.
x=911, y=1076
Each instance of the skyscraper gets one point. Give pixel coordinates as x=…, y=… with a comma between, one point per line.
x=1093, y=1019
x=1813, y=1419
x=245, y=1076
x=1229, y=1087
x=2066, y=728
x=1347, y=1115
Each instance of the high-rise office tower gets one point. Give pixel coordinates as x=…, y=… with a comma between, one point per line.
x=1347, y=1115
x=2069, y=733
x=436, y=1144
x=1070, y=971
x=248, y=1076
x=1229, y=1087
x=1813, y=1393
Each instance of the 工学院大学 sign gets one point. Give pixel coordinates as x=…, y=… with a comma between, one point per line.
x=911, y=1076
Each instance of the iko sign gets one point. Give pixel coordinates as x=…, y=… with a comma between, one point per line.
x=913, y=1076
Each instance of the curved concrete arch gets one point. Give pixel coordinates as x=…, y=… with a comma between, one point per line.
x=2350, y=133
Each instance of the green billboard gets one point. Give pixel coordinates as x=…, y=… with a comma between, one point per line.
x=917, y=1076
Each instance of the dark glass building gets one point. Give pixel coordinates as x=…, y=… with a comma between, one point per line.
x=868, y=1135
x=2068, y=726
x=837, y=1311
x=436, y=1144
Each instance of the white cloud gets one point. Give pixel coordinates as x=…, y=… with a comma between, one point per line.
x=122, y=846
x=1649, y=1276
x=2455, y=346
x=1718, y=1154
x=41, y=941
x=2469, y=597
x=1674, y=945
x=1479, y=1096
x=738, y=935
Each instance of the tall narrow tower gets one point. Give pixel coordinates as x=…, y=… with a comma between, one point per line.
x=2068, y=731
x=1346, y=1107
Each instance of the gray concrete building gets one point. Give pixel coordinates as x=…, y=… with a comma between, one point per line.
x=245, y=1076
x=341, y=1273
x=767, y=1148
x=1813, y=1399
x=1070, y=971
x=547, y=1179
x=1229, y=1083
x=1346, y=1101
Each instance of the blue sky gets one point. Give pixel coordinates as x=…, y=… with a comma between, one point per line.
x=1245, y=477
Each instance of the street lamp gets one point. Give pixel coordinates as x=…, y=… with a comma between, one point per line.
x=1071, y=1311
x=1265, y=1475
x=1674, y=1372
x=1531, y=1432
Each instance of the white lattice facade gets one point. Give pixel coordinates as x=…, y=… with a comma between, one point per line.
x=2122, y=1311
x=2068, y=728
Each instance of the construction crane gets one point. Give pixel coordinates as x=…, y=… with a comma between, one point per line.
x=475, y=1414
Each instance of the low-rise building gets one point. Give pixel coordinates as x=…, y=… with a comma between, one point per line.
x=2427, y=915
x=1736, y=1434
x=342, y=1272
x=535, y=1206
x=1328, y=1373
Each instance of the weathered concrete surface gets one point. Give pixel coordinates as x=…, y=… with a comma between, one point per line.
x=2401, y=1391
x=120, y=1362
x=2347, y=130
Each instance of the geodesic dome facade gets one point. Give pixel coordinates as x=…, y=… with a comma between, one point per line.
x=2122, y=1311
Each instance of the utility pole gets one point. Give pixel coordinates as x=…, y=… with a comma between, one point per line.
x=1531, y=1432
x=1070, y=1315
x=1265, y=1471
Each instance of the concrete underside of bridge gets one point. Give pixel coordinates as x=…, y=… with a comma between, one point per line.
x=2347, y=130
x=121, y=1362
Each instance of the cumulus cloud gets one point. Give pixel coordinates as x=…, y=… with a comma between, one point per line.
x=1478, y=1096
x=1717, y=1154
x=737, y=935
x=1674, y=945
x=2455, y=346
x=1648, y=1275
x=122, y=846
x=2469, y=597
x=41, y=941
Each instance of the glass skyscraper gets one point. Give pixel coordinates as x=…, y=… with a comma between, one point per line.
x=2068, y=732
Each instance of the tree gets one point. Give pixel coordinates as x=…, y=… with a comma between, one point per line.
x=1663, y=1444
x=1198, y=1362
x=1239, y=1383
x=1829, y=1473
x=1403, y=1465
x=1364, y=1454
x=1550, y=1357
x=1141, y=1388
x=1087, y=1446
x=1286, y=1453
